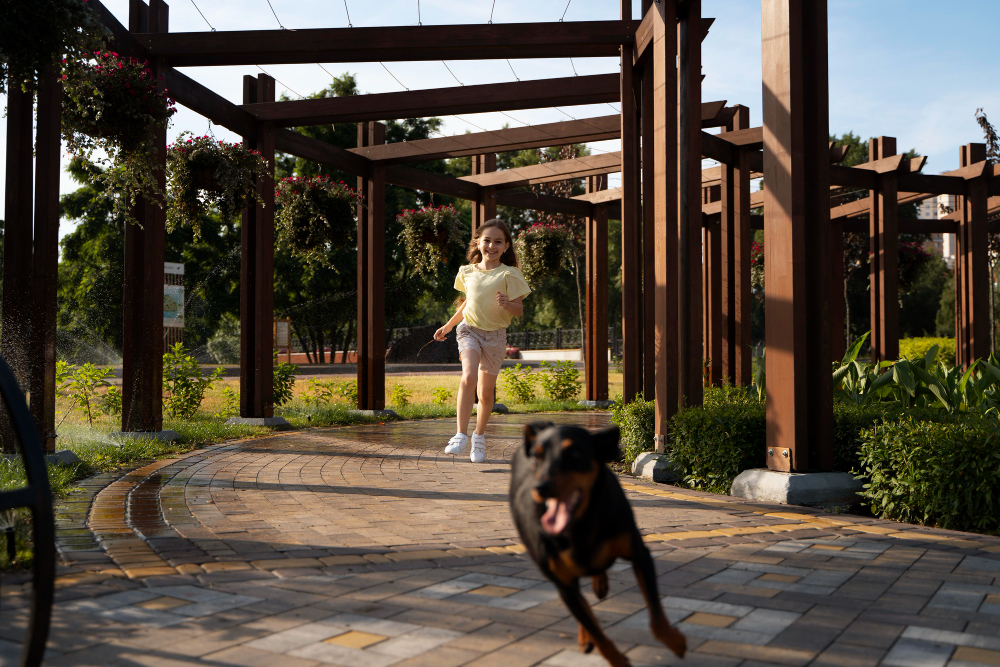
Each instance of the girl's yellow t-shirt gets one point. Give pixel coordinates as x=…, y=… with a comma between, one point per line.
x=480, y=287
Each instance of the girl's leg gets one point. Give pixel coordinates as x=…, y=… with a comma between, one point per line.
x=487, y=384
x=467, y=388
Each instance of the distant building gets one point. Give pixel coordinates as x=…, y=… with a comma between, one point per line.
x=942, y=245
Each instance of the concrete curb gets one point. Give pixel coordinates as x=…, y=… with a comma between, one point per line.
x=817, y=489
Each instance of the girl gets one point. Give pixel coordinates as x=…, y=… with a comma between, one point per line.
x=493, y=287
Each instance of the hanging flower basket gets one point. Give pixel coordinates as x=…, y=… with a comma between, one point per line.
x=113, y=103
x=543, y=250
x=315, y=215
x=430, y=235
x=35, y=35
x=203, y=171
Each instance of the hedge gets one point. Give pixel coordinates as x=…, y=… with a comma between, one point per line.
x=916, y=348
x=943, y=474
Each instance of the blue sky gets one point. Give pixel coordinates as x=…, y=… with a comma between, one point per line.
x=910, y=69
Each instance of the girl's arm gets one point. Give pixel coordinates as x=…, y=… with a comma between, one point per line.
x=450, y=324
x=514, y=307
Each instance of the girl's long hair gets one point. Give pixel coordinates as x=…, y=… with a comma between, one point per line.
x=508, y=257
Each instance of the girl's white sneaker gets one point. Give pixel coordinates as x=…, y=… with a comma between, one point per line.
x=457, y=444
x=478, y=454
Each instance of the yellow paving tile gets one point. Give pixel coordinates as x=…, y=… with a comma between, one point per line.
x=993, y=599
x=494, y=591
x=224, y=566
x=423, y=554
x=163, y=604
x=874, y=530
x=979, y=655
x=343, y=560
x=827, y=547
x=711, y=620
x=355, y=639
x=786, y=578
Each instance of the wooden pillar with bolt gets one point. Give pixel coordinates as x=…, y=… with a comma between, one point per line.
x=647, y=117
x=16, y=309
x=883, y=236
x=485, y=207
x=664, y=200
x=972, y=272
x=735, y=255
x=796, y=224
x=711, y=285
x=632, y=364
x=371, y=275
x=142, y=335
x=257, y=269
x=596, y=347
x=689, y=218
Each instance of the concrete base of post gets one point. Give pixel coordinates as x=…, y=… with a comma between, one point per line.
x=498, y=408
x=816, y=489
x=63, y=457
x=600, y=405
x=381, y=414
x=657, y=467
x=166, y=435
x=277, y=423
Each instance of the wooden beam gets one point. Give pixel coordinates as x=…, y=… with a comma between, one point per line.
x=601, y=196
x=596, y=347
x=972, y=269
x=576, y=39
x=883, y=238
x=548, y=172
x=371, y=277
x=936, y=183
x=593, y=89
x=485, y=206
x=540, y=202
x=507, y=139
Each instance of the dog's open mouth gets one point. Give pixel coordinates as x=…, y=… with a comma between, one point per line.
x=558, y=512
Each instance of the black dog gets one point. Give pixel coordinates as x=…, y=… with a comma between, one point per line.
x=575, y=520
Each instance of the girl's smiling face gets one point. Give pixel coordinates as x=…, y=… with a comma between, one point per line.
x=492, y=244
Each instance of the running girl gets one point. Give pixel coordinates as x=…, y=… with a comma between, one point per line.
x=494, y=288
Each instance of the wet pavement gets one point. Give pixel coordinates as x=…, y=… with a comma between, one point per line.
x=367, y=545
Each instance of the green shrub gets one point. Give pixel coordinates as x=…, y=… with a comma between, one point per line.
x=183, y=382
x=635, y=421
x=940, y=474
x=81, y=384
x=916, y=348
x=230, y=402
x=442, y=395
x=518, y=383
x=319, y=392
x=399, y=396
x=561, y=380
x=110, y=403
x=712, y=443
x=282, y=380
x=348, y=390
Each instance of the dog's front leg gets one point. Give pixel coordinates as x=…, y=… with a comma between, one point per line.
x=645, y=573
x=577, y=605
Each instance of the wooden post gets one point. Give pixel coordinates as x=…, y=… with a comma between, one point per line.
x=883, y=236
x=689, y=34
x=631, y=239
x=734, y=227
x=45, y=258
x=647, y=117
x=142, y=344
x=972, y=273
x=17, y=240
x=484, y=208
x=796, y=219
x=712, y=270
x=257, y=269
x=838, y=306
x=371, y=276
x=664, y=191
x=596, y=347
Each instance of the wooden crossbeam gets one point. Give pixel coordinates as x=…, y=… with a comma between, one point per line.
x=548, y=172
x=577, y=39
x=601, y=196
x=644, y=36
x=508, y=139
x=540, y=202
x=593, y=89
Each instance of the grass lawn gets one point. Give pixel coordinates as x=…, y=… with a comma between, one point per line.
x=99, y=453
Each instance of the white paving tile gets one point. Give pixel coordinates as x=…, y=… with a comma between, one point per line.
x=414, y=643
x=767, y=568
x=376, y=626
x=916, y=653
x=151, y=617
x=766, y=621
x=112, y=601
x=731, y=576
x=571, y=658
x=979, y=563
x=344, y=656
x=950, y=637
x=288, y=640
x=498, y=580
x=689, y=604
x=724, y=634
x=446, y=589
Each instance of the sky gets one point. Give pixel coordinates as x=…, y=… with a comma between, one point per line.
x=904, y=68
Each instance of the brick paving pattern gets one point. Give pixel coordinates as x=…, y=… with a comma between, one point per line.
x=367, y=546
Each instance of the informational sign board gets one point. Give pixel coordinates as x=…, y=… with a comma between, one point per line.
x=282, y=331
x=173, y=306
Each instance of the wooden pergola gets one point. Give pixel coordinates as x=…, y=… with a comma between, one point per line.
x=686, y=231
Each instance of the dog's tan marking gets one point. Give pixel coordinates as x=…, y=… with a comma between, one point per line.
x=537, y=497
x=619, y=546
x=567, y=443
x=537, y=450
x=673, y=638
x=600, y=585
x=565, y=568
x=584, y=640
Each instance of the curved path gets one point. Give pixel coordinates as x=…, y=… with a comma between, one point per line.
x=366, y=546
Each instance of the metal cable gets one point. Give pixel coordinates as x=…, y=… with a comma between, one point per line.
x=452, y=73
x=565, y=10
x=491, y=11
x=283, y=85
x=275, y=16
x=349, y=25
x=392, y=75
x=512, y=69
x=203, y=16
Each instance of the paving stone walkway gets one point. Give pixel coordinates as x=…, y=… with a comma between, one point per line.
x=367, y=546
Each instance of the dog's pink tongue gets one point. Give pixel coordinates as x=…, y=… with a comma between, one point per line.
x=556, y=516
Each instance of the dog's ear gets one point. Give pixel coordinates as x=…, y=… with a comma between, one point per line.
x=531, y=431
x=606, y=444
